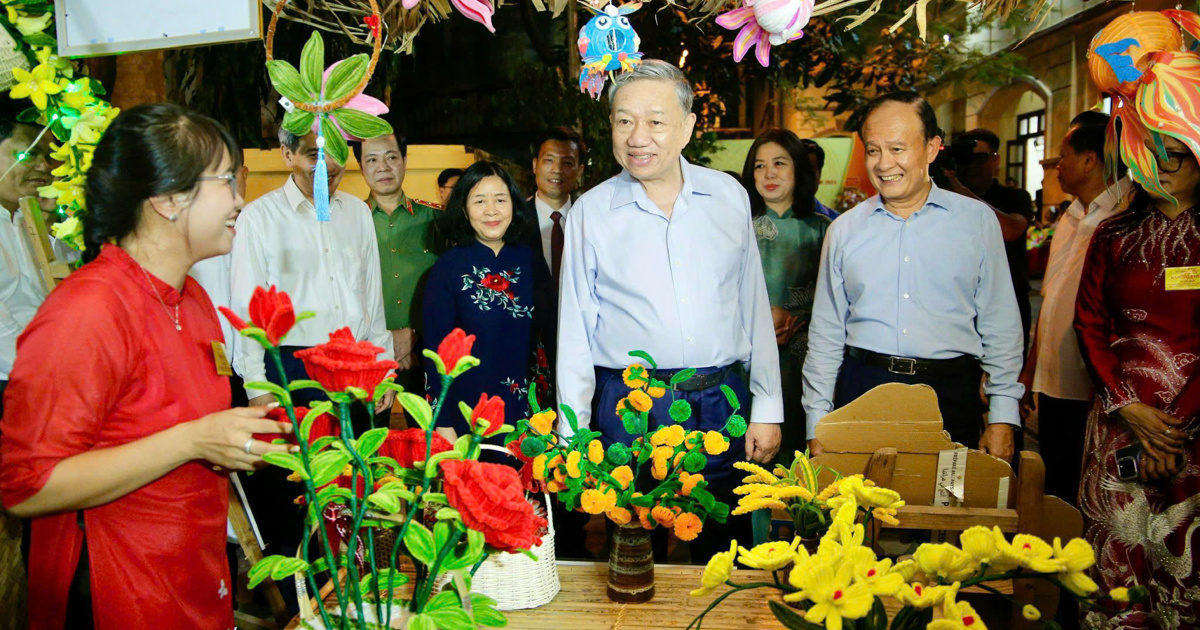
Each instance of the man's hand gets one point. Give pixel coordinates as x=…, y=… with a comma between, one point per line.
x=385, y=401
x=259, y=401
x=815, y=448
x=762, y=441
x=447, y=432
x=1028, y=401
x=997, y=441
x=402, y=344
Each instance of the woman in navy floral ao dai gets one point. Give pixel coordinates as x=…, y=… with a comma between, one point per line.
x=494, y=286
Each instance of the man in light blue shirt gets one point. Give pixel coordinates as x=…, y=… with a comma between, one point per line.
x=914, y=288
x=663, y=258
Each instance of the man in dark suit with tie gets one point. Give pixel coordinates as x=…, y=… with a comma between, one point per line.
x=558, y=159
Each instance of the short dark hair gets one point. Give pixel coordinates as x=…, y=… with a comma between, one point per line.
x=804, y=189
x=447, y=174
x=1088, y=132
x=815, y=149
x=148, y=151
x=561, y=134
x=401, y=143
x=924, y=111
x=454, y=227
x=983, y=135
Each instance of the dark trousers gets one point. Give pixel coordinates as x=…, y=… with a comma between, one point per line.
x=1061, y=427
x=958, y=395
x=710, y=411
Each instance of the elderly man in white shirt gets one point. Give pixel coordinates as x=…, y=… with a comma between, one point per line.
x=22, y=289
x=1055, y=370
x=663, y=258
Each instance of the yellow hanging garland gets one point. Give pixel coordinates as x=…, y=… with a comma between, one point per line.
x=66, y=102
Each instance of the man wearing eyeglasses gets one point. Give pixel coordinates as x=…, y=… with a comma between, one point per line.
x=979, y=176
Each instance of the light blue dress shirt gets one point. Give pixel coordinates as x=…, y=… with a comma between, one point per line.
x=933, y=287
x=689, y=290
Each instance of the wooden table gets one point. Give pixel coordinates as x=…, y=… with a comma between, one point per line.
x=583, y=604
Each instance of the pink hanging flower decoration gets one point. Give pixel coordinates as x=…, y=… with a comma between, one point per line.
x=766, y=22
x=362, y=102
x=478, y=10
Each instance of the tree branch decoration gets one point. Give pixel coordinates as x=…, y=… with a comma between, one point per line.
x=66, y=103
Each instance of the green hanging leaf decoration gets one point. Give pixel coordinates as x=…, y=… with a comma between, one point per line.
x=345, y=76
x=286, y=80
x=335, y=144
x=361, y=124
x=299, y=122
x=312, y=63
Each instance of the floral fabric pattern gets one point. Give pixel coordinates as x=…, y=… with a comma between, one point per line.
x=490, y=290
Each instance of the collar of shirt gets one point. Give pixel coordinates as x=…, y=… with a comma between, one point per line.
x=405, y=203
x=298, y=202
x=544, y=210
x=937, y=198
x=630, y=190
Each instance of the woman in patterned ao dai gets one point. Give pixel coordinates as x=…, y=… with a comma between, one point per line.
x=493, y=285
x=1136, y=316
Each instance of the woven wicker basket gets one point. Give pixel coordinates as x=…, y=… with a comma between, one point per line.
x=515, y=581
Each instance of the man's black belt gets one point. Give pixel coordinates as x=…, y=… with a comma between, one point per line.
x=698, y=382
x=906, y=366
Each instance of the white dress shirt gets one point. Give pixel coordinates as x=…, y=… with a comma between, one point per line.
x=22, y=289
x=1060, y=371
x=546, y=225
x=213, y=276
x=328, y=267
x=689, y=289
x=933, y=286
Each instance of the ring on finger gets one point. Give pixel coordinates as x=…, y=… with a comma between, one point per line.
x=246, y=447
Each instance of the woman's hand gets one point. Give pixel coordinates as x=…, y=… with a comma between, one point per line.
x=1151, y=468
x=222, y=437
x=1157, y=431
x=785, y=323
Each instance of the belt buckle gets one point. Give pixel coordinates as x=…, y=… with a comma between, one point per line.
x=902, y=365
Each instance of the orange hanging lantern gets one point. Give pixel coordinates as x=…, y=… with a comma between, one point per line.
x=1119, y=54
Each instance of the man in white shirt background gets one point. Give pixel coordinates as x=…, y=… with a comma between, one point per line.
x=1054, y=369
x=24, y=169
x=558, y=162
x=328, y=267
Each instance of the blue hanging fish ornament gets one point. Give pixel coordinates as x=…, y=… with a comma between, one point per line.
x=607, y=44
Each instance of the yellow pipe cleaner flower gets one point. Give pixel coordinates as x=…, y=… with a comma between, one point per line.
x=623, y=475
x=769, y=556
x=717, y=571
x=634, y=375
x=919, y=595
x=573, y=460
x=619, y=515
x=834, y=595
x=1077, y=557
x=640, y=400
x=945, y=560
x=595, y=451
x=688, y=526
x=714, y=443
x=758, y=473
x=663, y=515
x=542, y=423
x=957, y=615
x=671, y=435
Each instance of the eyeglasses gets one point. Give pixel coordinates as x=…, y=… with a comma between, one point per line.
x=1173, y=163
x=228, y=179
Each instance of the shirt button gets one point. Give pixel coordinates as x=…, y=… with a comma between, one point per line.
x=393, y=250
x=684, y=301
x=906, y=259
x=399, y=301
x=331, y=278
x=906, y=296
x=396, y=275
x=905, y=331
x=326, y=250
x=337, y=307
x=689, y=340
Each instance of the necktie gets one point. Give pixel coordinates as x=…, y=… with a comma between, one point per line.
x=556, y=244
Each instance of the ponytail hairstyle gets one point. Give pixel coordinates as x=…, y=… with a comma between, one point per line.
x=152, y=150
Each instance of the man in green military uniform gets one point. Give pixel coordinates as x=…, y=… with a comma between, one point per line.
x=404, y=229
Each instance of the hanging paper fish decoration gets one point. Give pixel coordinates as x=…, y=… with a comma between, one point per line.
x=607, y=44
